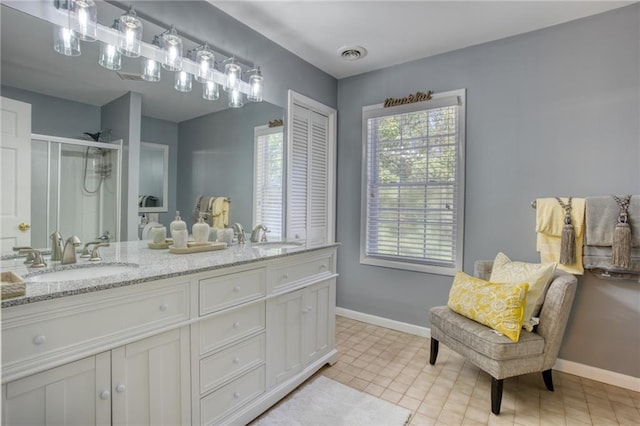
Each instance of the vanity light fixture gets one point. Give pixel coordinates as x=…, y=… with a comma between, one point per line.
x=233, y=75
x=256, y=83
x=210, y=91
x=235, y=99
x=110, y=57
x=150, y=67
x=83, y=18
x=184, y=81
x=130, y=34
x=65, y=41
x=172, y=46
x=206, y=63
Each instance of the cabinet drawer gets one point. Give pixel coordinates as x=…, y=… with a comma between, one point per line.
x=222, y=402
x=79, y=323
x=221, y=329
x=224, y=291
x=221, y=367
x=309, y=269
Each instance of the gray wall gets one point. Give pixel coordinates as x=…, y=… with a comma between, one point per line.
x=55, y=116
x=165, y=133
x=216, y=158
x=552, y=112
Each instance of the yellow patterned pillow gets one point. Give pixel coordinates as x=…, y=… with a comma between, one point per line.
x=538, y=275
x=496, y=305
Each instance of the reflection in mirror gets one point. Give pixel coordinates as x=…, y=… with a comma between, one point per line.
x=154, y=178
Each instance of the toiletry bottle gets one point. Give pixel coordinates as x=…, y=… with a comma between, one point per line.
x=200, y=231
x=179, y=232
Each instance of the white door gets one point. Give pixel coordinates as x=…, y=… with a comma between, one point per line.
x=15, y=174
x=73, y=394
x=285, y=357
x=319, y=319
x=151, y=382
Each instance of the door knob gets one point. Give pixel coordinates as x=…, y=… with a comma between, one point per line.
x=105, y=394
x=120, y=388
x=24, y=226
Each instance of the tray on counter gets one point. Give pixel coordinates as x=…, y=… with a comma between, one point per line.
x=12, y=285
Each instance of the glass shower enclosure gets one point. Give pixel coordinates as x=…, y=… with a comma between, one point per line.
x=75, y=189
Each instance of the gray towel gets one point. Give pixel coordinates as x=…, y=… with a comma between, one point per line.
x=600, y=258
x=602, y=216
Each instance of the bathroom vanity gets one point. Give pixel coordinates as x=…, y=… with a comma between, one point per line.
x=204, y=338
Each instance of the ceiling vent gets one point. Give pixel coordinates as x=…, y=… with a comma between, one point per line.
x=352, y=53
x=129, y=76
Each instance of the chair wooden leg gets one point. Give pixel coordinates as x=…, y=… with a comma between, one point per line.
x=548, y=379
x=434, y=351
x=496, y=395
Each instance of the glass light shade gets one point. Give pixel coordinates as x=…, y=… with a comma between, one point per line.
x=235, y=99
x=110, y=58
x=184, y=81
x=150, y=70
x=130, y=34
x=172, y=46
x=210, y=91
x=83, y=19
x=256, y=84
x=233, y=74
x=65, y=41
x=205, y=60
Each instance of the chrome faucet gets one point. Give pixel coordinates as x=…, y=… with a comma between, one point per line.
x=85, y=249
x=95, y=256
x=105, y=237
x=240, y=231
x=69, y=252
x=38, y=261
x=255, y=234
x=28, y=251
x=56, y=246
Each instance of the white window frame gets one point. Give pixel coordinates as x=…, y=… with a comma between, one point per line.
x=259, y=131
x=455, y=97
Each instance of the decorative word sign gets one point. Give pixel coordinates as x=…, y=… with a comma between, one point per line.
x=276, y=123
x=418, y=97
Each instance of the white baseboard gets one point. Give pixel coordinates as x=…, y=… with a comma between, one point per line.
x=569, y=367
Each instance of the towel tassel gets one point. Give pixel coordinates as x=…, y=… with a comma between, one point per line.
x=568, y=241
x=621, y=247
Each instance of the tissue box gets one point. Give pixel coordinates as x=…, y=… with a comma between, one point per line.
x=12, y=285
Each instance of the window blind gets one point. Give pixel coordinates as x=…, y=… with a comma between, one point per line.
x=268, y=201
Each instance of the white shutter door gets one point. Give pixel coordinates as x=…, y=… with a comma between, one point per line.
x=298, y=173
x=318, y=188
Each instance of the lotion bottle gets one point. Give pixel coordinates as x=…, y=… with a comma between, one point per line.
x=200, y=231
x=179, y=232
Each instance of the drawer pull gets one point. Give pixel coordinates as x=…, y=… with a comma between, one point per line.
x=236, y=360
x=164, y=307
x=105, y=394
x=236, y=324
x=120, y=388
x=236, y=289
x=38, y=340
x=236, y=395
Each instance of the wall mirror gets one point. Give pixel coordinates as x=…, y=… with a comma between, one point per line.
x=154, y=178
x=31, y=65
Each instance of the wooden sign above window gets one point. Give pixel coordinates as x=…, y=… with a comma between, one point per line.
x=418, y=97
x=276, y=123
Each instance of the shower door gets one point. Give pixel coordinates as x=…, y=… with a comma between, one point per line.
x=75, y=189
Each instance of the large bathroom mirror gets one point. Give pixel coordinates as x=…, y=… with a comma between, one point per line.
x=210, y=157
x=154, y=178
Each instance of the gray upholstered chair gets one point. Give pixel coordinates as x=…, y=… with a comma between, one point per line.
x=498, y=355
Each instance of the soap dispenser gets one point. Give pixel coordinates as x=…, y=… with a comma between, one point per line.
x=179, y=232
x=200, y=231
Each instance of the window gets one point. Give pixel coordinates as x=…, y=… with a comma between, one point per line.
x=413, y=185
x=267, y=204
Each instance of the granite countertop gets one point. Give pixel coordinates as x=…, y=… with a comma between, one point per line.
x=147, y=265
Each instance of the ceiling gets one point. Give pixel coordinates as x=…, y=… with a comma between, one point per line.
x=395, y=32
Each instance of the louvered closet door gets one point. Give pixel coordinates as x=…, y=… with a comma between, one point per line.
x=297, y=178
x=317, y=214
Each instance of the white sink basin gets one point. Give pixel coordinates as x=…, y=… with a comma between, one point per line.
x=278, y=245
x=83, y=272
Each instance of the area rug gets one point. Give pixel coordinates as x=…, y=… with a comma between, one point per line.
x=327, y=402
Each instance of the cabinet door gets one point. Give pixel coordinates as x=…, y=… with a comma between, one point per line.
x=285, y=330
x=319, y=319
x=150, y=380
x=73, y=394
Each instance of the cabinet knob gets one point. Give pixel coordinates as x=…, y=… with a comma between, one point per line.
x=236, y=360
x=105, y=394
x=120, y=388
x=164, y=307
x=236, y=395
x=38, y=340
x=236, y=289
x=236, y=324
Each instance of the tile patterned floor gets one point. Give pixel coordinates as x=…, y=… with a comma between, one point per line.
x=395, y=366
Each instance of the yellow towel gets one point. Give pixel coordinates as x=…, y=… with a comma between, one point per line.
x=220, y=212
x=549, y=224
